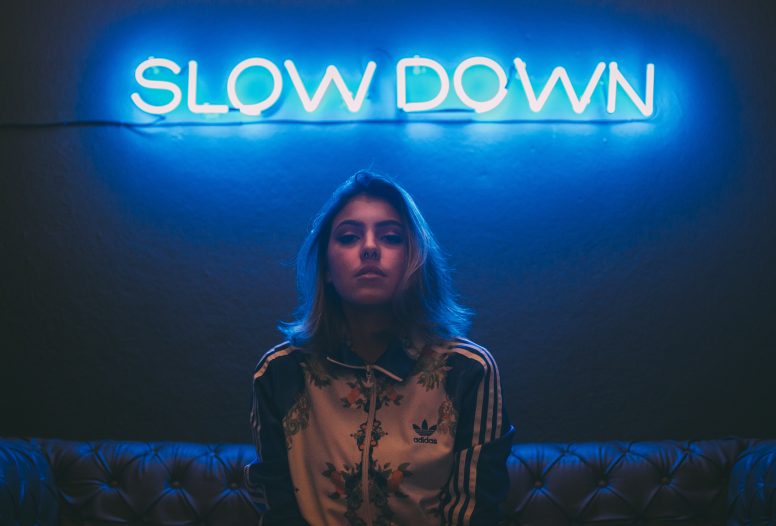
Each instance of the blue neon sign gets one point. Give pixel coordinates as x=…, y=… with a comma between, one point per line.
x=258, y=87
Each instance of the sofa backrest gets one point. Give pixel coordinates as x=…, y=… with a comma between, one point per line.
x=752, y=492
x=100, y=483
x=28, y=493
x=108, y=482
x=612, y=483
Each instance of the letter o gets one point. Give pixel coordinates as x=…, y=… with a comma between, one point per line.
x=480, y=106
x=257, y=108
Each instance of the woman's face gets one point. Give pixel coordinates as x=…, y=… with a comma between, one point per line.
x=367, y=251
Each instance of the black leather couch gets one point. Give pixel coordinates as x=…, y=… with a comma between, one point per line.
x=100, y=483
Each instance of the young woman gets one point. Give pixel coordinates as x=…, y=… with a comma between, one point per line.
x=376, y=411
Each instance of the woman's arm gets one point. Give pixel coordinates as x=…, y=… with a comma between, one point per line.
x=268, y=478
x=479, y=480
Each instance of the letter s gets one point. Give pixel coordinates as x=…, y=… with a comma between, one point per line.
x=157, y=84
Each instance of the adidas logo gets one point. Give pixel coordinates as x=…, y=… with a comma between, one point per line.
x=424, y=432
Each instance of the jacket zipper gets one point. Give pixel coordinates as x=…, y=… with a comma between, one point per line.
x=372, y=385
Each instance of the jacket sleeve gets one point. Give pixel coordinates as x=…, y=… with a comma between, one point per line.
x=268, y=478
x=479, y=481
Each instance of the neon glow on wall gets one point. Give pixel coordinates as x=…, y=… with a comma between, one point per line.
x=257, y=87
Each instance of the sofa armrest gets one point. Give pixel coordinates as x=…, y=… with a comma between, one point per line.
x=752, y=491
x=28, y=494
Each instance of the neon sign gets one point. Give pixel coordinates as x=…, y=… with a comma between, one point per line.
x=161, y=92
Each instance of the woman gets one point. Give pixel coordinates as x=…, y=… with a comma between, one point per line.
x=375, y=373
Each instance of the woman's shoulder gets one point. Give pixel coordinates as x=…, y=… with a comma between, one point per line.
x=465, y=351
x=281, y=355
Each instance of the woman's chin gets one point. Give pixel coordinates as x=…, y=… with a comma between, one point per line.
x=370, y=300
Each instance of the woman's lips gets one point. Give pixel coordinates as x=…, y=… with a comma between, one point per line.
x=370, y=272
x=370, y=275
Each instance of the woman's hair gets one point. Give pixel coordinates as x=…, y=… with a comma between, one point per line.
x=425, y=304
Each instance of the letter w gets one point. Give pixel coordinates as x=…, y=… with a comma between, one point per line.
x=577, y=103
x=332, y=75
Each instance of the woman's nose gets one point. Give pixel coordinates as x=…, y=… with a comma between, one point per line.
x=370, y=253
x=370, y=249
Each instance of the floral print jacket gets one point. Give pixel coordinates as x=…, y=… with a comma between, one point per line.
x=420, y=437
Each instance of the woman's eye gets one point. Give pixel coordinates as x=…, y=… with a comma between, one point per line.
x=393, y=239
x=347, y=239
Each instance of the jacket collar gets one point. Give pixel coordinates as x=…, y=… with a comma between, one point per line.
x=396, y=362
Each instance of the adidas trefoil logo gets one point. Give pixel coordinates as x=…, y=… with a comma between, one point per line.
x=424, y=433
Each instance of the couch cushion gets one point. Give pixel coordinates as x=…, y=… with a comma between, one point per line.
x=753, y=486
x=28, y=496
x=107, y=482
x=613, y=483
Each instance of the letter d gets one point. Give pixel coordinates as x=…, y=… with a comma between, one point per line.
x=401, y=84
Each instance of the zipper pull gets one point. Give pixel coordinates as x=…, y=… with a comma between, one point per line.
x=370, y=377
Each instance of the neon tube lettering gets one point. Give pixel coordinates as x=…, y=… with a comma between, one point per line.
x=480, y=106
x=646, y=107
x=257, y=108
x=559, y=73
x=355, y=102
x=194, y=107
x=401, y=84
x=157, y=85
x=332, y=75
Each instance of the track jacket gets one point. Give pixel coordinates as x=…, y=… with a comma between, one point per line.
x=428, y=423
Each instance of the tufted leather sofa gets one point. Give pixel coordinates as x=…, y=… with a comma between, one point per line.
x=100, y=483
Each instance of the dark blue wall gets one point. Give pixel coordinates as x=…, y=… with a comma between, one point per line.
x=622, y=270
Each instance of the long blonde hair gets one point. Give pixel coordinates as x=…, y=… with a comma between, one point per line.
x=425, y=305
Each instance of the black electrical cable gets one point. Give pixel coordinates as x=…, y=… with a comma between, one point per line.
x=163, y=123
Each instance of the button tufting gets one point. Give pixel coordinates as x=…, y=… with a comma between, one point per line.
x=601, y=483
x=234, y=485
x=175, y=484
x=113, y=483
x=538, y=483
x=664, y=480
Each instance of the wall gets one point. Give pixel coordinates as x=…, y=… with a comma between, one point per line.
x=621, y=269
